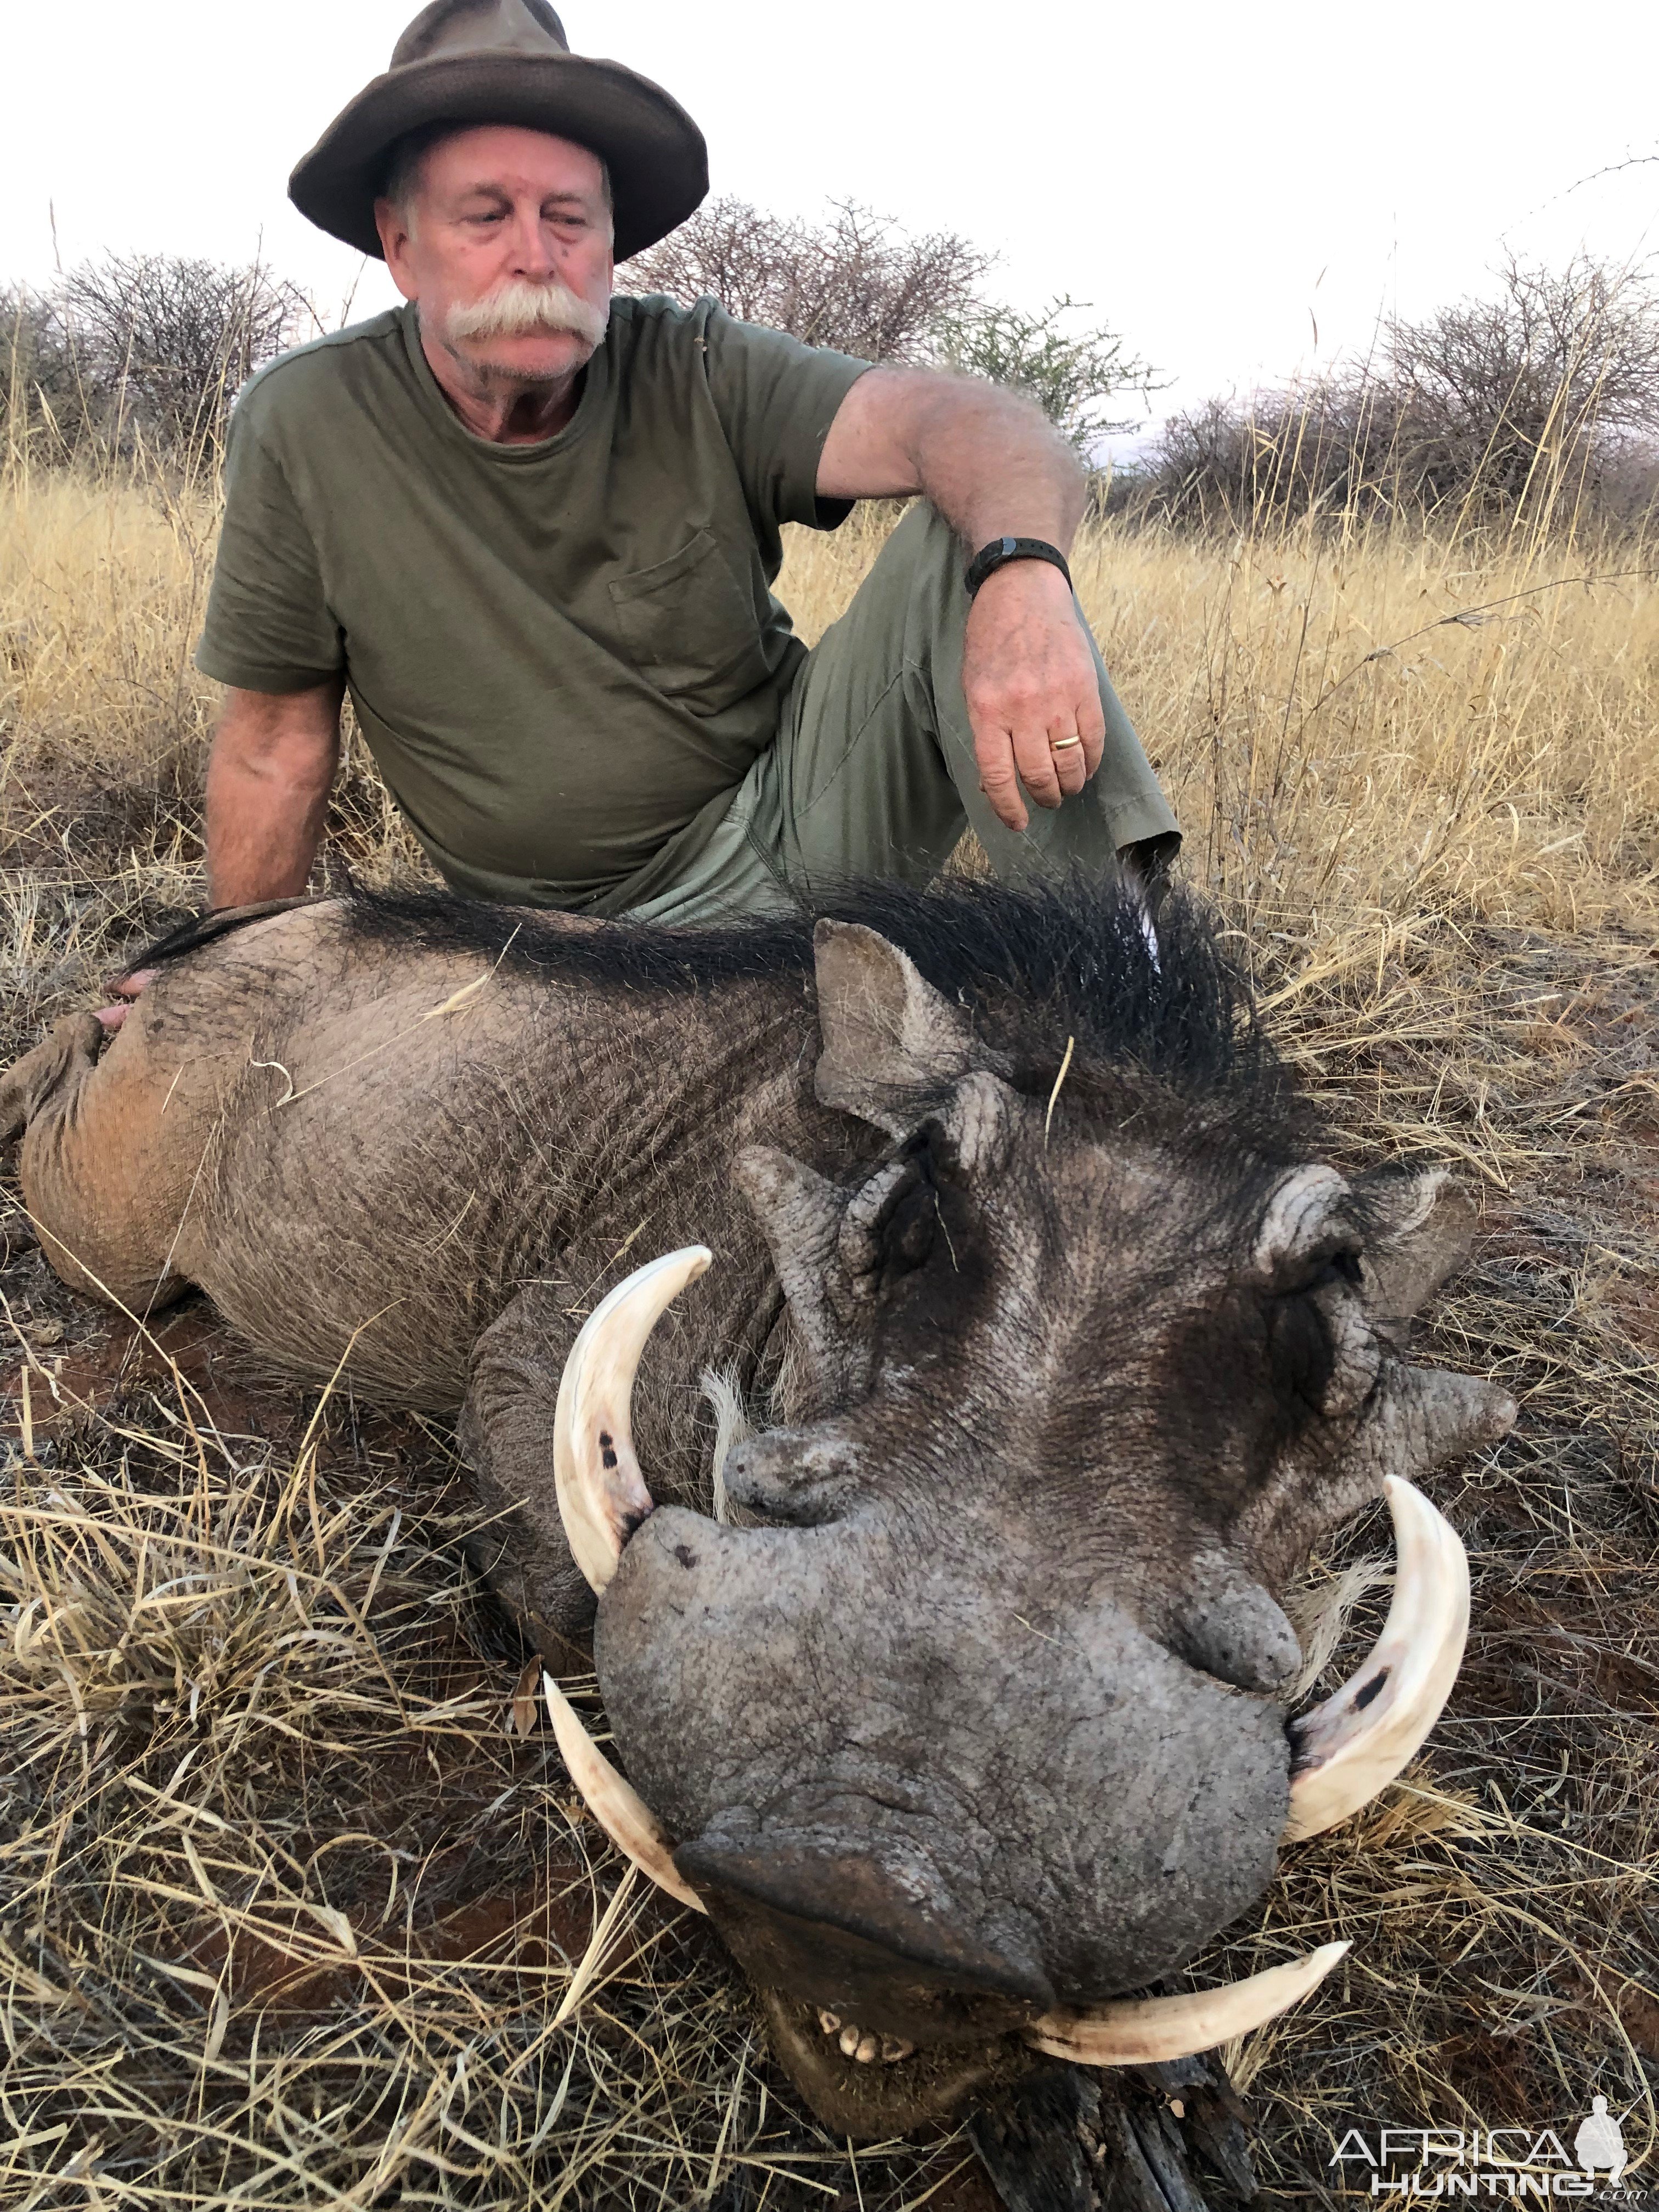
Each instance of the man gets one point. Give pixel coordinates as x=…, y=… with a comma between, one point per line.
x=533, y=530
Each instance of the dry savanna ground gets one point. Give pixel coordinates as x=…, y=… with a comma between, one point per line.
x=296, y=1905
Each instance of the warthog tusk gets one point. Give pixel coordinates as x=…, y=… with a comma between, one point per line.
x=1354, y=1744
x=1148, y=2031
x=618, y=1806
x=602, y=1494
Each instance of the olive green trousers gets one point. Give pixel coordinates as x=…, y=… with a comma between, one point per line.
x=872, y=772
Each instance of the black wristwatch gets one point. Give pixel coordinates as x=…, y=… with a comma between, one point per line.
x=991, y=557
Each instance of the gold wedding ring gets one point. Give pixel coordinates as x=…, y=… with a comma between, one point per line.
x=1059, y=745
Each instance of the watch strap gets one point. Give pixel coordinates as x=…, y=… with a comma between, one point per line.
x=1001, y=550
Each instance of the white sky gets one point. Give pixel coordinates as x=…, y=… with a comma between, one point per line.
x=1218, y=181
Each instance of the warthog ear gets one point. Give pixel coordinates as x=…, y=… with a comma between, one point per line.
x=887, y=1033
x=1418, y=1228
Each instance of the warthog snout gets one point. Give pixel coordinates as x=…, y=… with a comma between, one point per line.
x=946, y=1851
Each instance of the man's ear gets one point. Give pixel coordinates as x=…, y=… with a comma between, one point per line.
x=394, y=242
x=887, y=1033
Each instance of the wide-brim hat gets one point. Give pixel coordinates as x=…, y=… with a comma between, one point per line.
x=469, y=62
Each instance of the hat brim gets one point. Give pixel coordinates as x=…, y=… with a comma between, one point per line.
x=655, y=153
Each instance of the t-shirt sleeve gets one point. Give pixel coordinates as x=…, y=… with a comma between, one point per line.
x=776, y=398
x=269, y=627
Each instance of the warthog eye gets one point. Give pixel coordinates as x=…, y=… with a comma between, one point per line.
x=1300, y=1347
x=910, y=1219
x=1316, y=1271
x=911, y=1229
x=889, y=1229
x=1301, y=1344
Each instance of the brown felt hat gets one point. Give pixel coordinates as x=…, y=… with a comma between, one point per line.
x=507, y=61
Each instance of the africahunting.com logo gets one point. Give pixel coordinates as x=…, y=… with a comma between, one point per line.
x=1401, y=2163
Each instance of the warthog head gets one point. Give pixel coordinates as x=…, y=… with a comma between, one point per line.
x=975, y=1725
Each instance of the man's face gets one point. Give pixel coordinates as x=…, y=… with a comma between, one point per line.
x=506, y=246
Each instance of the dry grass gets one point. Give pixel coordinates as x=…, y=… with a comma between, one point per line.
x=291, y=1914
x=301, y=1909
x=1375, y=724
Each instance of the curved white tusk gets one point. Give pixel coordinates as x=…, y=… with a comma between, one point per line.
x=602, y=1494
x=1356, y=1742
x=1148, y=2031
x=618, y=1806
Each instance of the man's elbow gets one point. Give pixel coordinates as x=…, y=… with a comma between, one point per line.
x=971, y=398
x=970, y=413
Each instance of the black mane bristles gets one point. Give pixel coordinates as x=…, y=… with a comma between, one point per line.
x=1038, y=966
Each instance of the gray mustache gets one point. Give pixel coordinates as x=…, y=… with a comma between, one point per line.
x=520, y=309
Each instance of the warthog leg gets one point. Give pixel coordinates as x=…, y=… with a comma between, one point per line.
x=61, y=1063
x=107, y=1181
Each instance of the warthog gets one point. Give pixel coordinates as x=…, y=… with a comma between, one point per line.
x=966, y=1724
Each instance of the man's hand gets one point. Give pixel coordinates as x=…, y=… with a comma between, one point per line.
x=123, y=991
x=1030, y=684
x=993, y=468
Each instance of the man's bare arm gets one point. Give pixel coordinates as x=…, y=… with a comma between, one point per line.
x=269, y=777
x=993, y=467
x=990, y=462
x=268, y=781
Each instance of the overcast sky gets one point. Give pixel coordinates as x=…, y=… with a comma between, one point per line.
x=1239, y=192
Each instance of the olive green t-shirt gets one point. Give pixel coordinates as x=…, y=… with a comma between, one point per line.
x=564, y=657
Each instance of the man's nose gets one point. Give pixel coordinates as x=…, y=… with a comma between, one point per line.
x=533, y=247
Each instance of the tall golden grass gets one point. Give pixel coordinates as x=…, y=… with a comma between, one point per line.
x=103, y=581
x=1368, y=721
x=1421, y=777
x=1374, y=719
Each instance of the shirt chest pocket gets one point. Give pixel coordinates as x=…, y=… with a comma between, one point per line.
x=689, y=626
